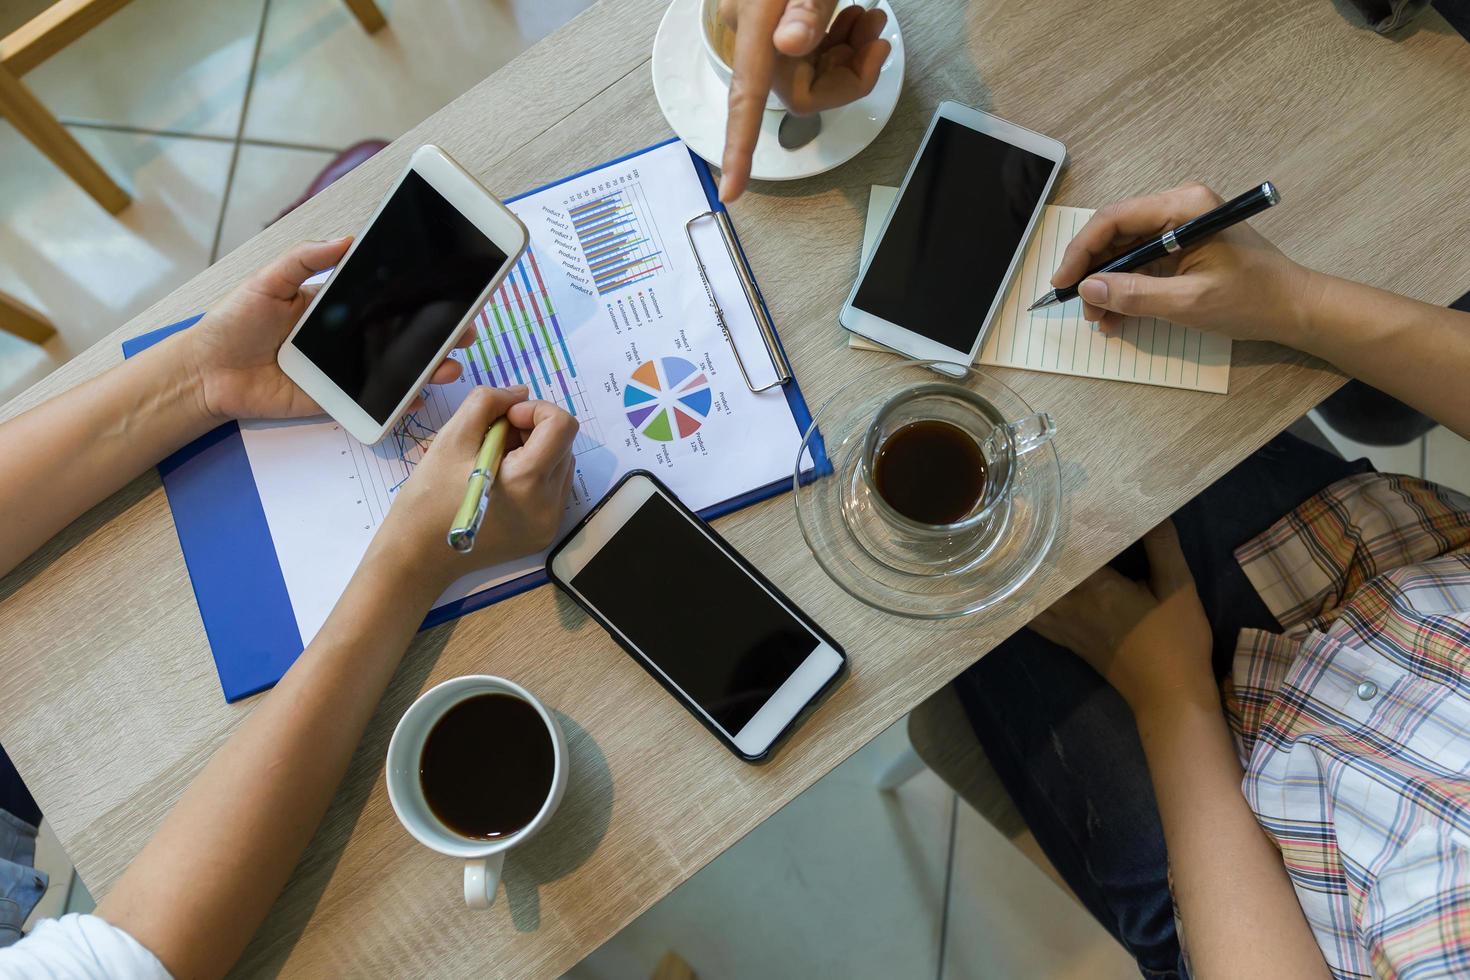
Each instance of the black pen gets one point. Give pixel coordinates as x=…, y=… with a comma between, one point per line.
x=1247, y=205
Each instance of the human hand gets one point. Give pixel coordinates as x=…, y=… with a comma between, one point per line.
x=231, y=352
x=527, y=499
x=782, y=44
x=1236, y=282
x=1150, y=641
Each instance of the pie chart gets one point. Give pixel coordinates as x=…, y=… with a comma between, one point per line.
x=667, y=399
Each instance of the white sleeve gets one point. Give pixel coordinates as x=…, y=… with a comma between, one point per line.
x=79, y=947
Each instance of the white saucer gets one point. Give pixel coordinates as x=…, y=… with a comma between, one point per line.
x=696, y=103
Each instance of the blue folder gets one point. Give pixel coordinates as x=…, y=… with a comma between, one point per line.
x=232, y=560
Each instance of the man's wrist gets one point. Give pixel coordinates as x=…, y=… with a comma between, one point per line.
x=1310, y=294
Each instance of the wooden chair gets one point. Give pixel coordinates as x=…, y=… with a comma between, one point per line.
x=19, y=319
x=49, y=32
x=940, y=737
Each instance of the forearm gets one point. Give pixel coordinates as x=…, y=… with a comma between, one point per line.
x=64, y=456
x=201, y=887
x=1241, y=917
x=1416, y=352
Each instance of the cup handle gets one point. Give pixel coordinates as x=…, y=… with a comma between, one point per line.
x=482, y=880
x=1032, y=431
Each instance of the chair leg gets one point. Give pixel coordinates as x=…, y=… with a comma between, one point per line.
x=900, y=770
x=24, y=322
x=367, y=14
x=36, y=124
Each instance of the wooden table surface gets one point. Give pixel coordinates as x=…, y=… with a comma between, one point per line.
x=109, y=702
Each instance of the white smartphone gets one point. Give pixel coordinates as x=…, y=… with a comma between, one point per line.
x=698, y=617
x=412, y=281
x=955, y=235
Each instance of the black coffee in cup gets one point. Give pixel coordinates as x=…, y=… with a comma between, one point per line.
x=930, y=471
x=487, y=766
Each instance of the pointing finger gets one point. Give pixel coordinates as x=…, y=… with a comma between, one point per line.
x=755, y=66
x=803, y=26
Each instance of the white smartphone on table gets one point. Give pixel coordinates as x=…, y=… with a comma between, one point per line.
x=409, y=286
x=739, y=655
x=955, y=235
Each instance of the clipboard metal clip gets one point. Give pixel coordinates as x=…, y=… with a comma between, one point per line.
x=752, y=297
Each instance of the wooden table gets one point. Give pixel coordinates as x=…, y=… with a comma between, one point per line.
x=109, y=703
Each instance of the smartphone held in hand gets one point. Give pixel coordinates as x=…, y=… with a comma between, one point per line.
x=408, y=287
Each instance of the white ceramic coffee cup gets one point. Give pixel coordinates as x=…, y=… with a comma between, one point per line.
x=483, y=859
x=709, y=15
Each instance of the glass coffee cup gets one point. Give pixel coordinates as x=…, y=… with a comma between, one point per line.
x=974, y=527
x=931, y=489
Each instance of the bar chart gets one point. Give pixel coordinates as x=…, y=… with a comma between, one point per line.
x=519, y=341
x=618, y=239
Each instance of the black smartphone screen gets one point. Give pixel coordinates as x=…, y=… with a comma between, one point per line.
x=953, y=235
x=414, y=276
x=711, y=628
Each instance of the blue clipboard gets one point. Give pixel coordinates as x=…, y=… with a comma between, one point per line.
x=227, y=543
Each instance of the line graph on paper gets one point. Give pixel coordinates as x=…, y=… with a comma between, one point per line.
x=381, y=470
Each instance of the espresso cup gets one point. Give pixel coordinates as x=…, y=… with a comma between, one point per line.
x=484, y=859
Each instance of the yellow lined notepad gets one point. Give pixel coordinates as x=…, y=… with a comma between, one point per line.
x=1147, y=350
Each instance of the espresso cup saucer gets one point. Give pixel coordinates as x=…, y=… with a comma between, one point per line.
x=696, y=103
x=869, y=568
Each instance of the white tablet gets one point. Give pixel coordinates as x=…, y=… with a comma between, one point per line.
x=409, y=286
x=955, y=235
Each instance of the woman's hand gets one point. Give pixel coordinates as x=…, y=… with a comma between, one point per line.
x=232, y=351
x=527, y=500
x=1236, y=283
x=1151, y=642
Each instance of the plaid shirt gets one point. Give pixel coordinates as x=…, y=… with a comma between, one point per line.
x=1354, y=724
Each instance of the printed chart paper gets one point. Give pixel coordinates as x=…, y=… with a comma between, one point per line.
x=1147, y=350
x=605, y=315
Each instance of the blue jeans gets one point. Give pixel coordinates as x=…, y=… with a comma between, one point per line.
x=1063, y=741
x=21, y=885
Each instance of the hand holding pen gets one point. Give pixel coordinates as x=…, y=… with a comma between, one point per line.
x=526, y=503
x=1221, y=270
x=521, y=474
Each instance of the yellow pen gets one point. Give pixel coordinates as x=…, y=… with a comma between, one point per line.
x=477, y=494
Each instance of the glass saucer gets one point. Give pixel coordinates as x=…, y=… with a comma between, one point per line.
x=1028, y=522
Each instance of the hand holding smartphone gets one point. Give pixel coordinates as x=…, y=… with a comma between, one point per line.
x=409, y=286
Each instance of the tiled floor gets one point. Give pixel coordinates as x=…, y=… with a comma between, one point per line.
x=850, y=882
x=1440, y=456
x=215, y=114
